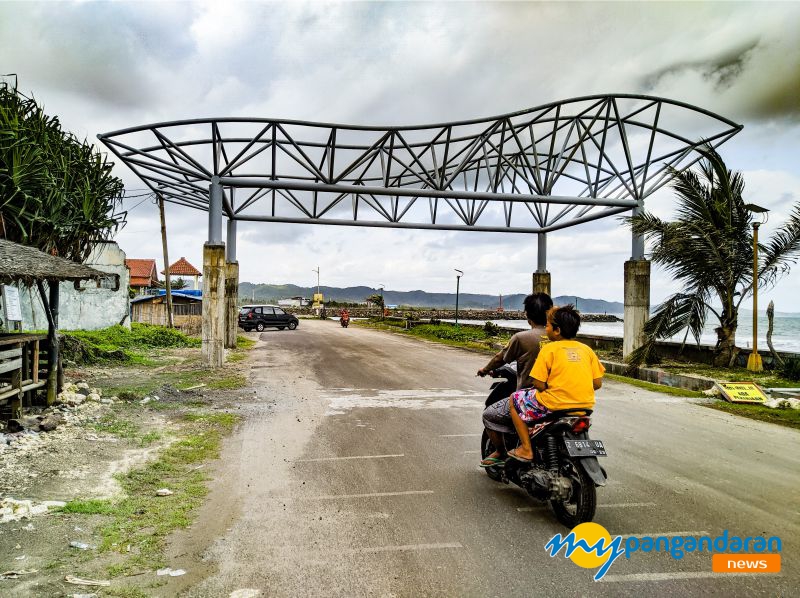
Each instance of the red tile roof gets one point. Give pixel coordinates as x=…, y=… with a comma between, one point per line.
x=183, y=268
x=143, y=272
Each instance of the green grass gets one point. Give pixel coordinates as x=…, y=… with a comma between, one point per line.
x=120, y=345
x=89, y=507
x=143, y=520
x=783, y=417
x=669, y=390
x=111, y=424
x=448, y=334
x=768, y=379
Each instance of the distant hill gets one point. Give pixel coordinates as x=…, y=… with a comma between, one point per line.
x=270, y=293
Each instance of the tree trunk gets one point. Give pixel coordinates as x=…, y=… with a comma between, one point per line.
x=725, y=351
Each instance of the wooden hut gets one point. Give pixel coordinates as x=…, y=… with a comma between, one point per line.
x=29, y=362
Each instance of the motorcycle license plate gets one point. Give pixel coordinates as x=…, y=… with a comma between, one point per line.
x=585, y=448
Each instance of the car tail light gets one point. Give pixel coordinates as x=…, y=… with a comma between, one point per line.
x=581, y=425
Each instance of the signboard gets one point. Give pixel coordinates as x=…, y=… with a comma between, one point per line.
x=11, y=304
x=319, y=299
x=742, y=392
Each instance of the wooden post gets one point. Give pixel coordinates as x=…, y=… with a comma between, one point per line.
x=167, y=284
x=52, y=349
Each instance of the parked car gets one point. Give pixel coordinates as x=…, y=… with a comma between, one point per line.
x=258, y=317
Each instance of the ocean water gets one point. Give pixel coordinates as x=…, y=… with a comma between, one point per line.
x=785, y=333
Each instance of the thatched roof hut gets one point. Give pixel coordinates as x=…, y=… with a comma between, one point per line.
x=28, y=264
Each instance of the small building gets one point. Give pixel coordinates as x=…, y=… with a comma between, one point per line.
x=21, y=362
x=144, y=275
x=187, y=310
x=182, y=268
x=294, y=302
x=87, y=305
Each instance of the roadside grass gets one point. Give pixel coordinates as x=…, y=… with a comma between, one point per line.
x=766, y=379
x=784, y=417
x=117, y=344
x=447, y=334
x=669, y=390
x=138, y=524
x=129, y=385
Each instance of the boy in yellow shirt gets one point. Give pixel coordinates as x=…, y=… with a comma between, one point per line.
x=565, y=376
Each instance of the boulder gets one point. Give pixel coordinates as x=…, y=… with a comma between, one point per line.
x=15, y=425
x=51, y=422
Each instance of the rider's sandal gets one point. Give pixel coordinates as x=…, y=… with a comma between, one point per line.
x=492, y=462
x=514, y=455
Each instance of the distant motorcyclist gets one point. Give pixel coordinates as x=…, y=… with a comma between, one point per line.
x=344, y=317
x=522, y=348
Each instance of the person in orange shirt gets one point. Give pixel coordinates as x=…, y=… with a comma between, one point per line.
x=565, y=375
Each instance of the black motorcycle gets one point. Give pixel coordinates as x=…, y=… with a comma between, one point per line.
x=565, y=470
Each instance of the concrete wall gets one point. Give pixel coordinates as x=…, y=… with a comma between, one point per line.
x=90, y=308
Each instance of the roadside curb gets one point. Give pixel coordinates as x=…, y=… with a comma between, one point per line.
x=656, y=376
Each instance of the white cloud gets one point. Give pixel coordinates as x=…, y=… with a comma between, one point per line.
x=105, y=66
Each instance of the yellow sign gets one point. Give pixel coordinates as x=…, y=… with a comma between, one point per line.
x=742, y=392
x=318, y=300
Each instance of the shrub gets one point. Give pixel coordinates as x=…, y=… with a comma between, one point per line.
x=119, y=344
x=791, y=370
x=491, y=329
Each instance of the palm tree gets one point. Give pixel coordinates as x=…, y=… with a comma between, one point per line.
x=709, y=248
x=57, y=193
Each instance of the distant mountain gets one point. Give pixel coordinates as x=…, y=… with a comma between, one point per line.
x=270, y=293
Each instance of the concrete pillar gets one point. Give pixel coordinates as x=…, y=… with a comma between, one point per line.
x=541, y=282
x=231, y=304
x=213, y=304
x=541, y=278
x=637, y=304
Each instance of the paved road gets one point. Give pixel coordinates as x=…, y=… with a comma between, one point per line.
x=355, y=474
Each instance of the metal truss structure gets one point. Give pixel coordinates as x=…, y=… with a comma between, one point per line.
x=536, y=170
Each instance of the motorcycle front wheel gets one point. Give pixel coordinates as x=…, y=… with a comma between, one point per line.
x=581, y=505
x=487, y=448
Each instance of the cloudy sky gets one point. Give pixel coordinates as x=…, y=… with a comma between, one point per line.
x=105, y=66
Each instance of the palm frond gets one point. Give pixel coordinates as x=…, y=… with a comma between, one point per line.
x=681, y=311
x=782, y=250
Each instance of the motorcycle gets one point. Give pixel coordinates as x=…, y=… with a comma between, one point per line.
x=344, y=321
x=565, y=471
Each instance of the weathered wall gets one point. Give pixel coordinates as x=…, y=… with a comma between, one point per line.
x=90, y=308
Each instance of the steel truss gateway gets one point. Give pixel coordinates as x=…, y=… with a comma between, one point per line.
x=536, y=170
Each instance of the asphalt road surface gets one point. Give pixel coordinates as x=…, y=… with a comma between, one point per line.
x=355, y=473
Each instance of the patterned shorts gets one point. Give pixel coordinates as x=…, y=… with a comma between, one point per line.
x=528, y=408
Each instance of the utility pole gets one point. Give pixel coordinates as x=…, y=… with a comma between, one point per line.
x=458, y=284
x=170, y=321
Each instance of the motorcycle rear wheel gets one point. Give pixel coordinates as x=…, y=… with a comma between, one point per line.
x=581, y=506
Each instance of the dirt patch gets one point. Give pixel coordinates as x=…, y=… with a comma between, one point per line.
x=86, y=458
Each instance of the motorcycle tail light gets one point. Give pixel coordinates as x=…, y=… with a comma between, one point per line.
x=581, y=425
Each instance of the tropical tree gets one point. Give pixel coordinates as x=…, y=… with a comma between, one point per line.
x=709, y=249
x=56, y=192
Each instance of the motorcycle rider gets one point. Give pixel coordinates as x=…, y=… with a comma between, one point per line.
x=565, y=375
x=523, y=348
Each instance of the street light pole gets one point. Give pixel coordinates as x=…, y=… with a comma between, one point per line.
x=754, y=362
x=317, y=271
x=458, y=285
x=383, y=305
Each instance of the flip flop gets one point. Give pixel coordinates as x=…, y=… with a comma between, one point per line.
x=516, y=457
x=492, y=462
